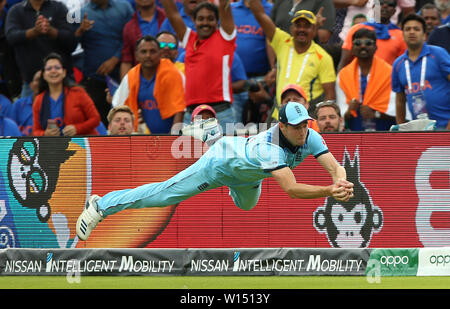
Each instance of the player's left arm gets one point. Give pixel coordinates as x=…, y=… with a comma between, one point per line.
x=337, y=172
x=330, y=164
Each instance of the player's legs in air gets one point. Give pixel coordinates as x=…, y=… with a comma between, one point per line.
x=246, y=196
x=189, y=182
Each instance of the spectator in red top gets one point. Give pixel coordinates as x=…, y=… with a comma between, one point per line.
x=147, y=20
x=62, y=109
x=209, y=55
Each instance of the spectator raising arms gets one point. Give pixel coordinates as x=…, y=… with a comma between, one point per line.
x=62, y=109
x=300, y=60
x=209, y=56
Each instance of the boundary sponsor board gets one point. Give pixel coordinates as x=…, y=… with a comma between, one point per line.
x=190, y=262
x=434, y=262
x=227, y=262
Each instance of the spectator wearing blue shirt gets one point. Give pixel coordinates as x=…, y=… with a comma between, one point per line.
x=22, y=110
x=187, y=14
x=252, y=46
x=100, y=33
x=147, y=20
x=8, y=127
x=421, y=77
x=5, y=105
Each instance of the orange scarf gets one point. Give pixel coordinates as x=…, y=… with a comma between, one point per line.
x=378, y=90
x=168, y=90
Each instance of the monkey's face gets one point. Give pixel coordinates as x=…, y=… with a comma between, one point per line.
x=349, y=224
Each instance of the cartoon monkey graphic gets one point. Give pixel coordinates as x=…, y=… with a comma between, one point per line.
x=349, y=224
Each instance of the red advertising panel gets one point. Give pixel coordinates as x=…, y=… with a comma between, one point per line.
x=402, y=195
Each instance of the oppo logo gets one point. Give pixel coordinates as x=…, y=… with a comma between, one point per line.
x=394, y=260
x=440, y=259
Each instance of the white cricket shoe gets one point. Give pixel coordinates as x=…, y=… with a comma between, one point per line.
x=89, y=218
x=207, y=130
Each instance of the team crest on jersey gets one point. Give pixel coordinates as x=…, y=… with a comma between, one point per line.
x=350, y=224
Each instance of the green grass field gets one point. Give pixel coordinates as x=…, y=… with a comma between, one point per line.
x=225, y=282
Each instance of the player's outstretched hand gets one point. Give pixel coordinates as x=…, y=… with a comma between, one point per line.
x=342, y=190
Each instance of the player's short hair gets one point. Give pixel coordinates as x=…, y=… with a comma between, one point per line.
x=121, y=108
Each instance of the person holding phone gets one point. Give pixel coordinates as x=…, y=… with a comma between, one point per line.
x=62, y=109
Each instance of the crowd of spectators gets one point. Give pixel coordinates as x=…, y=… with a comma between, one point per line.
x=117, y=67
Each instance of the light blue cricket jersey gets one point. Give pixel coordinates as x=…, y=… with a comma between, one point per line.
x=240, y=160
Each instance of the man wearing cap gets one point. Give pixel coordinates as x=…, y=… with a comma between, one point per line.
x=239, y=163
x=295, y=93
x=300, y=60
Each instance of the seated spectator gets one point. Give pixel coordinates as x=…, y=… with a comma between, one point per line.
x=121, y=121
x=284, y=10
x=432, y=17
x=441, y=37
x=390, y=42
x=295, y=93
x=146, y=20
x=22, y=110
x=363, y=87
x=60, y=108
x=329, y=118
x=155, y=86
x=421, y=77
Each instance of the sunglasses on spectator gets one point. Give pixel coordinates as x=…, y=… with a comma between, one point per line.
x=390, y=3
x=366, y=42
x=169, y=45
x=50, y=67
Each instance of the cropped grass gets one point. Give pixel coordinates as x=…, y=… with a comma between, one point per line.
x=222, y=282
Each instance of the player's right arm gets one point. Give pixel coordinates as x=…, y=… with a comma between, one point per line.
x=174, y=18
x=286, y=179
